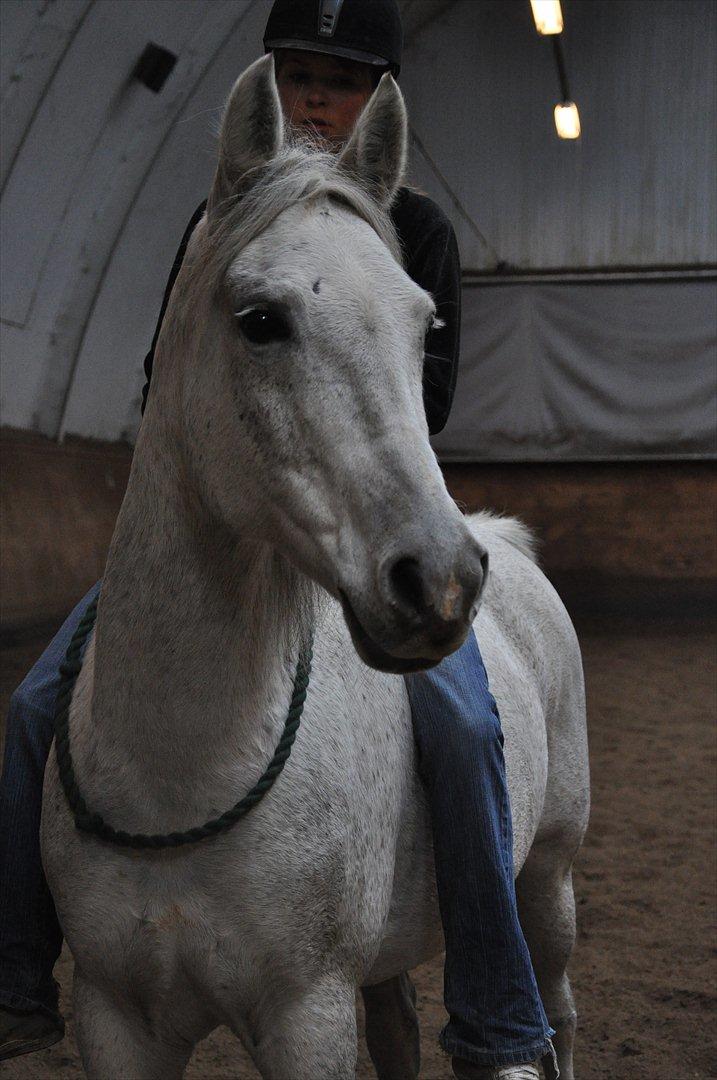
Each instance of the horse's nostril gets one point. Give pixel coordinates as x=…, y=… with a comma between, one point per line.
x=484, y=563
x=407, y=583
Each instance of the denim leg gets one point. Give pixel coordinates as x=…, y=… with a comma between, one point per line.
x=491, y=996
x=30, y=935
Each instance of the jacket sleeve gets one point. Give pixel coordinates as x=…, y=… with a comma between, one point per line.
x=149, y=358
x=436, y=267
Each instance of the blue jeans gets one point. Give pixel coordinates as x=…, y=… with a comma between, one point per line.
x=490, y=992
x=30, y=935
x=496, y=1016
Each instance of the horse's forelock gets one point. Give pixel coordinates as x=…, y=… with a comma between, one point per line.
x=296, y=174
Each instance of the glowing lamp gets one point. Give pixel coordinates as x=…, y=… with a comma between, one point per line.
x=548, y=16
x=567, y=120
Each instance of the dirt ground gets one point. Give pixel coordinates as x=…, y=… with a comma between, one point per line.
x=644, y=970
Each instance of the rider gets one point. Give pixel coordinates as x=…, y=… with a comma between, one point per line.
x=329, y=57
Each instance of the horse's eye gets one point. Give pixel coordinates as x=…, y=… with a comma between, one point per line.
x=261, y=325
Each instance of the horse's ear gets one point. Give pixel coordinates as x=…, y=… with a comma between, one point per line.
x=251, y=132
x=376, y=152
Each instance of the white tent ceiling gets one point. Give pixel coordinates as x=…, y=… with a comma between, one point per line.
x=100, y=174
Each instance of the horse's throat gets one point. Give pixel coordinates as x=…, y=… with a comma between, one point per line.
x=195, y=651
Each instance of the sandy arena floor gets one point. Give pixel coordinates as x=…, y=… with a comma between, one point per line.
x=644, y=967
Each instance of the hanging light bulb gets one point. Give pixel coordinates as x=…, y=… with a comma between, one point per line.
x=548, y=16
x=567, y=120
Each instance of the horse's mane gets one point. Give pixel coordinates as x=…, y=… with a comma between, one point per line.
x=510, y=529
x=300, y=171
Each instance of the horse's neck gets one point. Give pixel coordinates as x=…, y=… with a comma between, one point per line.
x=196, y=641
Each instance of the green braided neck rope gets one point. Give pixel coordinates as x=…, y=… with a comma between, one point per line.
x=90, y=822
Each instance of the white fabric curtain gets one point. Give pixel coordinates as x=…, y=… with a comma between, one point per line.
x=585, y=372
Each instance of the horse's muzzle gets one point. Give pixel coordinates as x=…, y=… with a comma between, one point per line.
x=420, y=612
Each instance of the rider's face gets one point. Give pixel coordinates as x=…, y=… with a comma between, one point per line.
x=323, y=94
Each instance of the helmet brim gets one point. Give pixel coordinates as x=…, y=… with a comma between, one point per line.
x=331, y=50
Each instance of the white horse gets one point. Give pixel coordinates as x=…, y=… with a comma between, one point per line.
x=283, y=480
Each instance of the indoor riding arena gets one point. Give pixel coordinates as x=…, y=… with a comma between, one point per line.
x=575, y=160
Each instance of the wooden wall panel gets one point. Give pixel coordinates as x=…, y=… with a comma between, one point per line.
x=606, y=530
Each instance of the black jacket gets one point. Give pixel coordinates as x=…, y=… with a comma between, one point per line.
x=431, y=259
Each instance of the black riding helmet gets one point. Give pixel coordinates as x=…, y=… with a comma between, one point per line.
x=366, y=30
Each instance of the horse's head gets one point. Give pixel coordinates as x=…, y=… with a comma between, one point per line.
x=300, y=393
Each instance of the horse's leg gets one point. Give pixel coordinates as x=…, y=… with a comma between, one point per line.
x=546, y=905
x=113, y=1048
x=308, y=1037
x=392, y=1029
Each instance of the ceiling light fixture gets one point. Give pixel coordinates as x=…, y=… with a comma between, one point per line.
x=548, y=16
x=567, y=120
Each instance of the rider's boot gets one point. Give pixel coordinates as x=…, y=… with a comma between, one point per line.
x=467, y=1070
x=23, y=1032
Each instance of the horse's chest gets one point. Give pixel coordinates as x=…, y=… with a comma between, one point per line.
x=185, y=952
x=212, y=929
x=182, y=950
x=301, y=883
